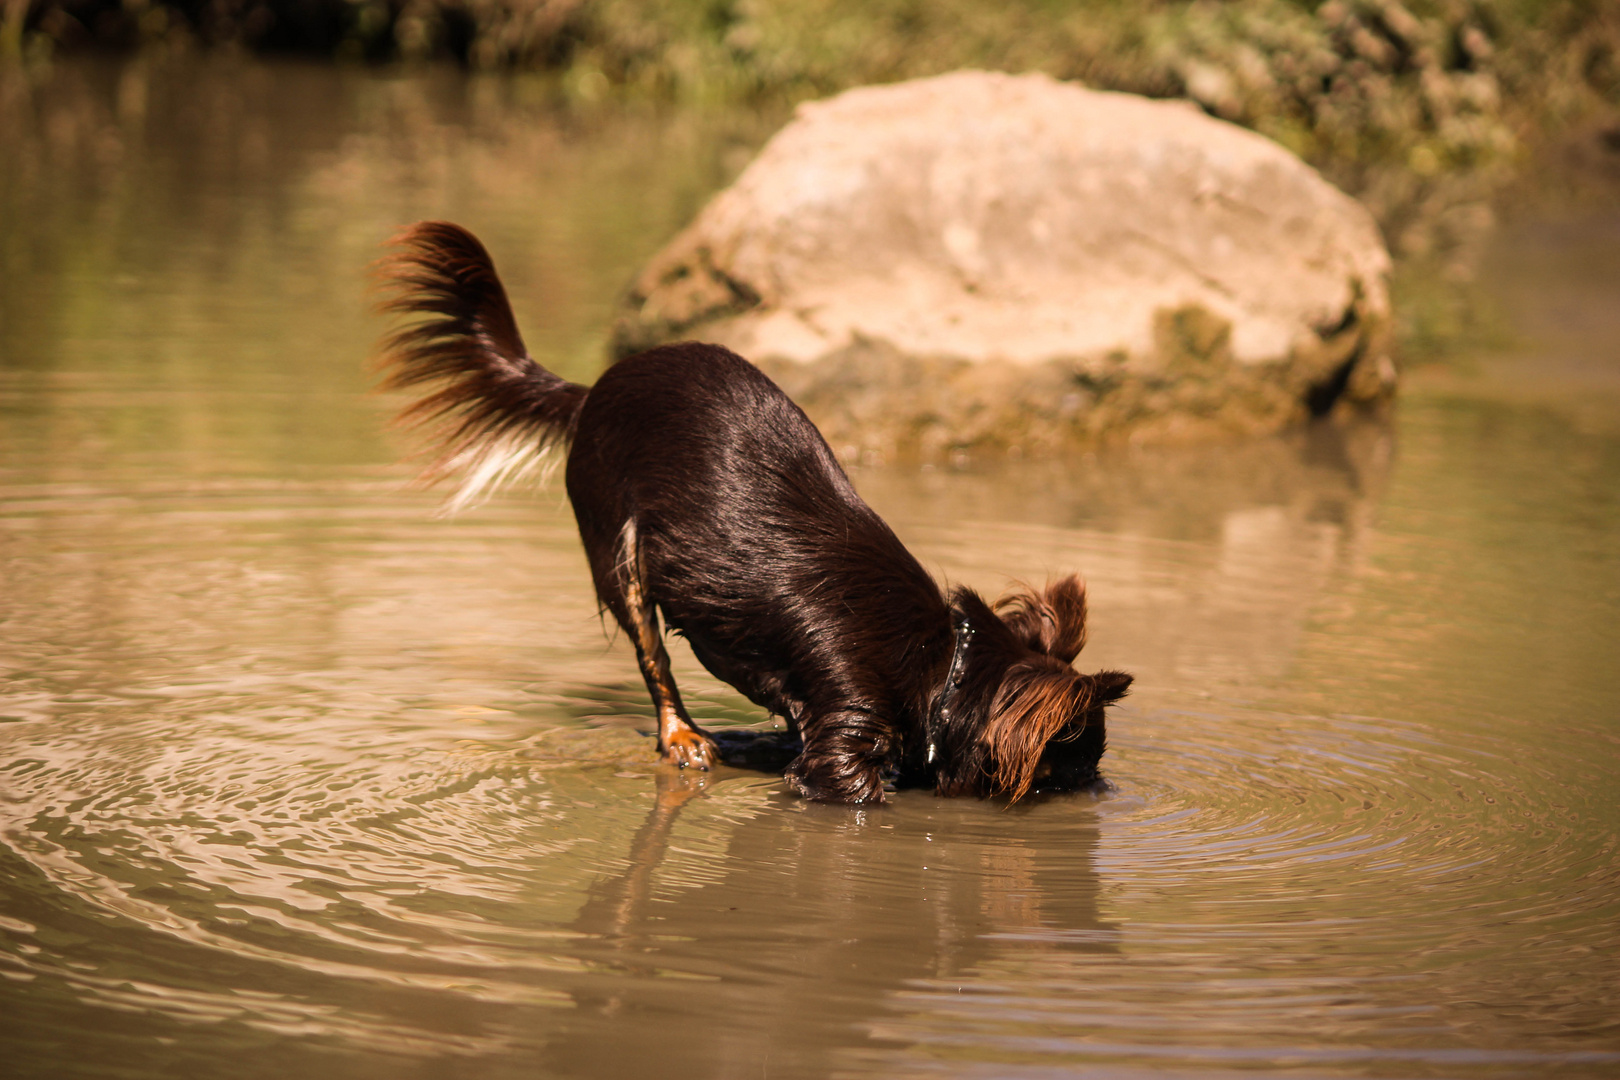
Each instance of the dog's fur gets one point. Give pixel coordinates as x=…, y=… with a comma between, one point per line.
x=703, y=493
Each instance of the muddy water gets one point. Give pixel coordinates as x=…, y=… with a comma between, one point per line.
x=296, y=779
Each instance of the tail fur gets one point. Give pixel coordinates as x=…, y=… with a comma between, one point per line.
x=493, y=413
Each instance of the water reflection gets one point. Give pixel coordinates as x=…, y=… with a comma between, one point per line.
x=1204, y=564
x=821, y=916
x=185, y=243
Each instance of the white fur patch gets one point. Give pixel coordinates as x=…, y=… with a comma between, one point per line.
x=630, y=562
x=488, y=466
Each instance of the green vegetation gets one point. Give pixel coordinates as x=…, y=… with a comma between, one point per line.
x=1437, y=86
x=1342, y=76
x=1422, y=110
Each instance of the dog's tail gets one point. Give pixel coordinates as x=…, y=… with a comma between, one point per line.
x=494, y=413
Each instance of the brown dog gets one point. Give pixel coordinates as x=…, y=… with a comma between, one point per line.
x=703, y=493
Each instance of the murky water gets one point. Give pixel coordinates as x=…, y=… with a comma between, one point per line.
x=296, y=779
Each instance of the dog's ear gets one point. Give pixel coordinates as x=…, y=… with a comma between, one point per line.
x=1036, y=701
x=1107, y=687
x=1052, y=621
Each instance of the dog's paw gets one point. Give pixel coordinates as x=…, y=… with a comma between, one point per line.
x=690, y=750
x=826, y=785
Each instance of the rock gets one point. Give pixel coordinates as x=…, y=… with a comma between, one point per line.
x=982, y=260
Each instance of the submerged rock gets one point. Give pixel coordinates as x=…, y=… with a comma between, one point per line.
x=982, y=260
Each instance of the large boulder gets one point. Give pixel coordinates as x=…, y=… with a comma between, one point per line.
x=981, y=260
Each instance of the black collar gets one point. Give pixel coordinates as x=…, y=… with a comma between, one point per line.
x=962, y=633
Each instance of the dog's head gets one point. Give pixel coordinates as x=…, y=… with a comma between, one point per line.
x=1018, y=717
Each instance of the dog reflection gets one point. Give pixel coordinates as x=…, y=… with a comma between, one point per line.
x=822, y=924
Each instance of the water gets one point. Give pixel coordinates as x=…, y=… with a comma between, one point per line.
x=297, y=779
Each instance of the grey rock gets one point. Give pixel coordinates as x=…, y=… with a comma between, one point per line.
x=981, y=260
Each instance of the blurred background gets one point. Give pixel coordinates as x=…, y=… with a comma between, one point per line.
x=1426, y=112
x=295, y=777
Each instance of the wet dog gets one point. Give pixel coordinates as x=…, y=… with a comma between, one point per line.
x=703, y=493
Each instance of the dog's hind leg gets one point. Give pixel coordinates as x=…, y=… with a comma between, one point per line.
x=680, y=741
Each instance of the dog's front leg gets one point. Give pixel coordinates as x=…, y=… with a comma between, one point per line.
x=845, y=756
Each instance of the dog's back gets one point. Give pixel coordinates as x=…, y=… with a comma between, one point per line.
x=752, y=541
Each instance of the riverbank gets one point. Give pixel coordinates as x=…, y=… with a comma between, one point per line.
x=1437, y=83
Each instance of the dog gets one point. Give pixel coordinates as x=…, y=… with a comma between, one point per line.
x=704, y=494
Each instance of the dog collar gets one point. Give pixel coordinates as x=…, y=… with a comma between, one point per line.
x=962, y=634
